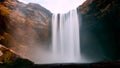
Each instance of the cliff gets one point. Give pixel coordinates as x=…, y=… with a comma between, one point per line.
x=100, y=31
x=23, y=25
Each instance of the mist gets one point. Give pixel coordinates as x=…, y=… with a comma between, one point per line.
x=57, y=6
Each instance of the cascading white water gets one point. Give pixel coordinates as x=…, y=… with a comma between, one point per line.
x=66, y=37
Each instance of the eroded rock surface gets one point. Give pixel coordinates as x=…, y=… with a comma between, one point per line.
x=100, y=29
x=23, y=25
x=9, y=57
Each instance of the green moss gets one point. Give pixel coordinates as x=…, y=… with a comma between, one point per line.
x=7, y=58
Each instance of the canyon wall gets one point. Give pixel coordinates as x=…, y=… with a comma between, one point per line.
x=22, y=26
x=100, y=29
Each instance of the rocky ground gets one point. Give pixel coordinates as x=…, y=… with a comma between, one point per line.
x=8, y=58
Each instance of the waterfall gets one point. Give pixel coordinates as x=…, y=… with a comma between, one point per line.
x=66, y=36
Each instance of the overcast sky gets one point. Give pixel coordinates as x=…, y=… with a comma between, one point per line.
x=57, y=6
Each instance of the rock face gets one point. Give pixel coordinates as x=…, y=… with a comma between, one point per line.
x=23, y=25
x=100, y=31
x=6, y=55
x=9, y=57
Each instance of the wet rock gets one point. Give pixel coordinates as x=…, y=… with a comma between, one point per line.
x=100, y=29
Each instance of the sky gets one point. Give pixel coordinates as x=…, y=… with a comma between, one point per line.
x=57, y=6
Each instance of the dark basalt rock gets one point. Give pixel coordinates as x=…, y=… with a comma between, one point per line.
x=100, y=31
x=2, y=0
